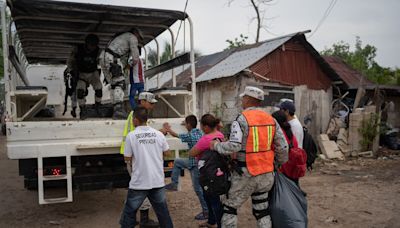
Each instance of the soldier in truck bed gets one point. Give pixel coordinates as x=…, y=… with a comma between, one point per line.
x=123, y=44
x=84, y=58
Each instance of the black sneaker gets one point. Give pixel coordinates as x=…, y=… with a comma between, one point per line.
x=201, y=216
x=83, y=113
x=149, y=224
x=119, y=112
x=73, y=112
x=118, y=115
x=97, y=106
x=171, y=187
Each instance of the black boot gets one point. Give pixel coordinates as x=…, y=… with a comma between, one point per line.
x=73, y=112
x=119, y=112
x=145, y=221
x=83, y=113
x=97, y=106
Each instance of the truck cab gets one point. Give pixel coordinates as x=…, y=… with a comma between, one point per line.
x=58, y=150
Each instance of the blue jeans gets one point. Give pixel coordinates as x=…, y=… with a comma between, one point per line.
x=183, y=163
x=215, y=209
x=135, y=87
x=135, y=198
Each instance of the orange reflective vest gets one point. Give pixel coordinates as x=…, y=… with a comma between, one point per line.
x=259, y=148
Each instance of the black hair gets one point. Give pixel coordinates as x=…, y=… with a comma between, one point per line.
x=280, y=117
x=290, y=113
x=92, y=39
x=209, y=120
x=141, y=114
x=191, y=120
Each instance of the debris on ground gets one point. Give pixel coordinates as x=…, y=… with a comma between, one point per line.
x=56, y=223
x=331, y=219
x=329, y=148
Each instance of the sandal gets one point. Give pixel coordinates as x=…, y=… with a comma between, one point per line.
x=205, y=224
x=201, y=216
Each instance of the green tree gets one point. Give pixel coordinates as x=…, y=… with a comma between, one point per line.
x=362, y=58
x=397, y=76
x=165, y=55
x=237, y=42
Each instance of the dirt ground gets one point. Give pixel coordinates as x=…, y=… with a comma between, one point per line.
x=353, y=193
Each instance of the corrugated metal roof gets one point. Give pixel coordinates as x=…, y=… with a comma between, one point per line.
x=49, y=29
x=166, y=77
x=203, y=63
x=350, y=76
x=230, y=62
x=242, y=59
x=294, y=64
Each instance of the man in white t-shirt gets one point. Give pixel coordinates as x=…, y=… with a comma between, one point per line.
x=144, y=149
x=297, y=129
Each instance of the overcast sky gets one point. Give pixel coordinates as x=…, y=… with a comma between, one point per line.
x=376, y=22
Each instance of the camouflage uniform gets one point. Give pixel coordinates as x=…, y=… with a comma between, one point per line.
x=112, y=66
x=121, y=46
x=246, y=185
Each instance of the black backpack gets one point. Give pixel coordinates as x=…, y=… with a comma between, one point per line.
x=214, y=173
x=310, y=147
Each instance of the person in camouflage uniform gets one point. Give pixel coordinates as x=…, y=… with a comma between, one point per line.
x=121, y=46
x=258, y=141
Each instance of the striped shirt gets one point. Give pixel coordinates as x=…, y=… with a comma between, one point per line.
x=136, y=73
x=191, y=139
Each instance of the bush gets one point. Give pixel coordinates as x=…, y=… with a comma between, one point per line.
x=369, y=131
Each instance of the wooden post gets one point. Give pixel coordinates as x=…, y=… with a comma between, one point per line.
x=378, y=102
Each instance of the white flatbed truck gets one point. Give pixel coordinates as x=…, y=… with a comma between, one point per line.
x=60, y=150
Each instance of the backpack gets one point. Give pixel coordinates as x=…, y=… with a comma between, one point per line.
x=295, y=167
x=310, y=147
x=214, y=173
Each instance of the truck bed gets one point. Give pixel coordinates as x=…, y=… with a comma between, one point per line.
x=75, y=138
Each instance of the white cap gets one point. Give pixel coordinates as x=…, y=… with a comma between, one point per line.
x=149, y=97
x=254, y=92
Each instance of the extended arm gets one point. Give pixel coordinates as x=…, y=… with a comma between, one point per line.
x=194, y=152
x=134, y=51
x=235, y=141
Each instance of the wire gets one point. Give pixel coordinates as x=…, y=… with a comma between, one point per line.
x=184, y=13
x=326, y=14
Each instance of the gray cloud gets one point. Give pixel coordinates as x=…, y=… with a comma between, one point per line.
x=376, y=22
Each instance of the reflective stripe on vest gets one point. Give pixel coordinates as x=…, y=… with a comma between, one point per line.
x=259, y=149
x=127, y=128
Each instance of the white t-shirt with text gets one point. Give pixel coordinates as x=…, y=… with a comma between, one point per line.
x=146, y=146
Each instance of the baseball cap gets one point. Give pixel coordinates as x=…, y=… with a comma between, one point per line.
x=253, y=92
x=138, y=33
x=288, y=105
x=149, y=97
x=278, y=105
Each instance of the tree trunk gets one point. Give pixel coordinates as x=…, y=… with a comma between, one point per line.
x=258, y=19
